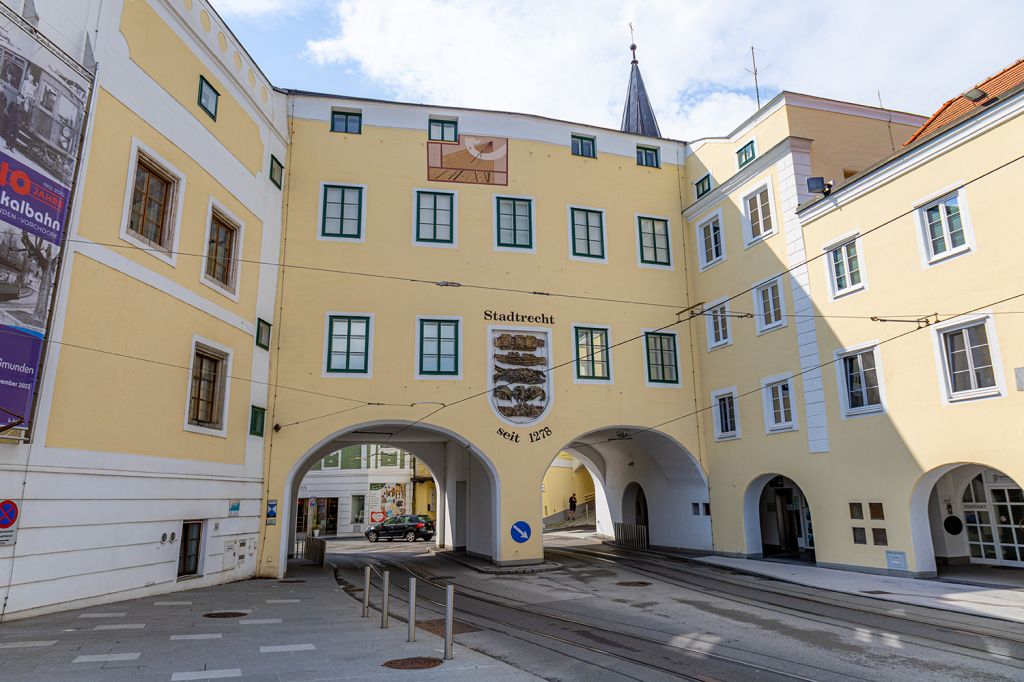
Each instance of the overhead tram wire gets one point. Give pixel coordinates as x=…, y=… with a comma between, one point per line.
x=814, y=368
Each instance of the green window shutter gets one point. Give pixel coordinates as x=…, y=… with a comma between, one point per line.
x=257, y=421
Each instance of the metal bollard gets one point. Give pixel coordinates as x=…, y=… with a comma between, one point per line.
x=384, y=600
x=412, y=609
x=449, y=618
x=366, y=592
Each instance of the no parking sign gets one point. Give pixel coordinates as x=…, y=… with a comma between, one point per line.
x=9, y=516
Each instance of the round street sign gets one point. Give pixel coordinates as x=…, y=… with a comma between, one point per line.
x=8, y=514
x=520, y=531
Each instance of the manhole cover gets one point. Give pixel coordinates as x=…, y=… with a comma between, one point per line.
x=633, y=583
x=291, y=580
x=414, y=663
x=225, y=614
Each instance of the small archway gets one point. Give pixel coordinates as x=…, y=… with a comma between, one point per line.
x=468, y=489
x=967, y=514
x=634, y=505
x=571, y=474
x=777, y=519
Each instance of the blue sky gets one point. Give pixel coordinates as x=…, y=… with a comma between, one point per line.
x=569, y=59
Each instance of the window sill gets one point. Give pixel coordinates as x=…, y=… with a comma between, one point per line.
x=726, y=437
x=765, y=330
x=863, y=411
x=759, y=239
x=707, y=266
x=967, y=396
x=947, y=255
x=194, y=576
x=220, y=288
x=848, y=291
x=786, y=428
x=435, y=244
x=721, y=344
x=152, y=248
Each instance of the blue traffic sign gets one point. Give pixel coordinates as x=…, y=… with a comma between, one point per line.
x=271, y=509
x=521, y=531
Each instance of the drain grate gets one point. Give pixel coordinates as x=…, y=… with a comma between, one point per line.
x=292, y=580
x=633, y=583
x=414, y=663
x=875, y=592
x=225, y=614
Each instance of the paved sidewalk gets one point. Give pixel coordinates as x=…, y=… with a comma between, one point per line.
x=309, y=630
x=992, y=602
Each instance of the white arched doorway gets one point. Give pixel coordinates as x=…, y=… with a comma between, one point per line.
x=777, y=519
x=466, y=481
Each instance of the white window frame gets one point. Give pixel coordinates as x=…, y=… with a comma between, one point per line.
x=415, y=217
x=770, y=426
x=921, y=207
x=639, y=246
x=236, y=283
x=364, y=227
x=572, y=244
x=845, y=411
x=459, y=348
x=736, y=153
x=575, y=358
x=839, y=243
x=226, y=407
x=646, y=359
x=759, y=312
x=533, y=224
x=709, y=324
x=749, y=239
x=170, y=254
x=719, y=434
x=938, y=341
x=702, y=262
x=371, y=332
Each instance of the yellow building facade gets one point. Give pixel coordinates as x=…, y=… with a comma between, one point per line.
x=486, y=290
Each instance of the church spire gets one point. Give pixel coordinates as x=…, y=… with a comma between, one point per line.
x=638, y=116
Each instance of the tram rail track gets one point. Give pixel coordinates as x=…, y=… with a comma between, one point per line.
x=703, y=582
x=492, y=599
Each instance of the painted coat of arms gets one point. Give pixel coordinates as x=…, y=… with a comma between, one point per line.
x=474, y=159
x=520, y=382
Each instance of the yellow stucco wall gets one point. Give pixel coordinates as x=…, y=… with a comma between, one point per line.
x=560, y=482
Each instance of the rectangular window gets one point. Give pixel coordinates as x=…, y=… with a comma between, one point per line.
x=331, y=461
x=877, y=511
x=759, y=214
x=856, y=511
x=654, y=241
x=342, y=212
x=208, y=98
x=206, y=394
x=346, y=122
x=944, y=227
x=780, y=407
x=276, y=171
x=348, y=344
x=263, y=334
x=584, y=146
x=351, y=457
x=968, y=360
x=768, y=305
x=515, y=223
x=647, y=156
x=718, y=325
x=725, y=416
x=439, y=347
x=712, y=248
x=592, y=359
x=861, y=382
x=188, y=552
x=435, y=217
x=844, y=265
x=745, y=154
x=879, y=537
x=703, y=186
x=152, y=199
x=707, y=509
x=444, y=131
x=587, y=233
x=860, y=536
x=257, y=421
x=662, y=362
x=359, y=509
x=695, y=508
x=220, y=251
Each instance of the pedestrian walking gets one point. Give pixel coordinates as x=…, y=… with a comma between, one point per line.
x=572, y=506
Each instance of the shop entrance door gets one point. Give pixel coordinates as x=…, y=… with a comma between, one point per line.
x=994, y=518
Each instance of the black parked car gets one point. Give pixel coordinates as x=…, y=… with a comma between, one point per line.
x=411, y=527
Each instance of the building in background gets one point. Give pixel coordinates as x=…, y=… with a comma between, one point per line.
x=832, y=370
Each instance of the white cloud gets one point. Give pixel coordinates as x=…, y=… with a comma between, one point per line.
x=251, y=8
x=569, y=59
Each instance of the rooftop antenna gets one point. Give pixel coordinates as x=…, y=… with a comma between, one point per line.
x=757, y=88
x=632, y=42
x=892, y=143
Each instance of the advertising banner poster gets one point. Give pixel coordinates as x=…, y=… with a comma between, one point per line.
x=385, y=500
x=42, y=111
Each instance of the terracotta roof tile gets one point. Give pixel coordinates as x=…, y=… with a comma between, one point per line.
x=993, y=87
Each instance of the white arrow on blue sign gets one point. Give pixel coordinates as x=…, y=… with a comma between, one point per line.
x=520, y=531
